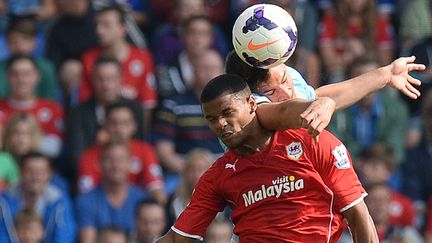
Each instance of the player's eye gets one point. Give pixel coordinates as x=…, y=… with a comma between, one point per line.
x=268, y=92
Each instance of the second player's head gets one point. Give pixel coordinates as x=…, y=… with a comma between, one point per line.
x=229, y=108
x=275, y=83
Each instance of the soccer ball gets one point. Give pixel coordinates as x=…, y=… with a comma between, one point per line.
x=264, y=36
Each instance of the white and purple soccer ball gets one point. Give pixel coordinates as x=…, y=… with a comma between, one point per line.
x=264, y=35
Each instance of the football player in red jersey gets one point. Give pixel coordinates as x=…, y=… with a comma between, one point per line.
x=281, y=186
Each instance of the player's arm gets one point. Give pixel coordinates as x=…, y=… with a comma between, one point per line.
x=287, y=115
x=360, y=223
x=173, y=237
x=395, y=74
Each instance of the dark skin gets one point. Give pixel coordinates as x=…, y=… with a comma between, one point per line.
x=233, y=119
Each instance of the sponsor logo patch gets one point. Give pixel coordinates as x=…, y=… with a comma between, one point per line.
x=341, y=155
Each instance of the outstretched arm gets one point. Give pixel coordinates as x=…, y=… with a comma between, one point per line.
x=361, y=224
x=172, y=237
x=286, y=115
x=395, y=74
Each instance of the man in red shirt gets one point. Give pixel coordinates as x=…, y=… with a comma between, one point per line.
x=281, y=186
x=137, y=64
x=23, y=76
x=144, y=169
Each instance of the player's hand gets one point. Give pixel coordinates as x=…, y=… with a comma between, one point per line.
x=318, y=115
x=400, y=78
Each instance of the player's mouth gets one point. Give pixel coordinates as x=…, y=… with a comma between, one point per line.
x=225, y=135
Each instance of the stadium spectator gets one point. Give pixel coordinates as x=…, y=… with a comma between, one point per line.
x=305, y=59
x=113, y=202
x=378, y=202
x=35, y=192
x=355, y=30
x=138, y=81
x=150, y=219
x=177, y=77
x=180, y=125
x=8, y=171
x=23, y=135
x=111, y=235
x=169, y=35
x=196, y=163
x=219, y=231
x=258, y=216
x=29, y=227
x=70, y=35
x=21, y=39
x=417, y=182
x=144, y=168
x=377, y=165
x=85, y=120
x=415, y=23
x=372, y=119
x=23, y=77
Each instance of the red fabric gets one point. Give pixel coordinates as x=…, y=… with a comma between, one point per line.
x=48, y=113
x=145, y=170
x=384, y=36
x=401, y=210
x=306, y=185
x=138, y=76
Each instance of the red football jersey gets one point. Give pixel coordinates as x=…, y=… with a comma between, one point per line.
x=144, y=171
x=401, y=210
x=138, y=76
x=293, y=191
x=384, y=37
x=48, y=113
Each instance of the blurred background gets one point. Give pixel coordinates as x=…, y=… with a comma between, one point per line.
x=101, y=132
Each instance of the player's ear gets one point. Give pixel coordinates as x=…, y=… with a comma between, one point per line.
x=252, y=103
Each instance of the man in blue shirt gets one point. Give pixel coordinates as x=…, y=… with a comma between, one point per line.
x=113, y=202
x=35, y=192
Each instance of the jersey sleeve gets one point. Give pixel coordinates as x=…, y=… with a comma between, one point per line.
x=384, y=34
x=88, y=172
x=152, y=172
x=302, y=89
x=327, y=31
x=206, y=202
x=147, y=91
x=334, y=164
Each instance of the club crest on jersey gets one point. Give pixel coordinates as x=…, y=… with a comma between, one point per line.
x=294, y=150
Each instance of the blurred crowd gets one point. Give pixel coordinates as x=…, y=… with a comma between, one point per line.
x=102, y=134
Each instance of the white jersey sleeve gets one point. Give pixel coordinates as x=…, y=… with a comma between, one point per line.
x=301, y=88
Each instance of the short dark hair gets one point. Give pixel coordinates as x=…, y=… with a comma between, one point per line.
x=111, y=143
x=223, y=84
x=235, y=65
x=25, y=26
x=119, y=105
x=24, y=159
x=117, y=8
x=185, y=24
x=18, y=57
x=380, y=153
x=105, y=59
x=26, y=216
x=147, y=202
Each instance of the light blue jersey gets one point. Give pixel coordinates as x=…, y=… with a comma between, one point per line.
x=301, y=88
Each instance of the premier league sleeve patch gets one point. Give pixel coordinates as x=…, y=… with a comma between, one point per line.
x=341, y=156
x=294, y=150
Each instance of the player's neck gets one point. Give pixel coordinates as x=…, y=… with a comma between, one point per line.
x=257, y=140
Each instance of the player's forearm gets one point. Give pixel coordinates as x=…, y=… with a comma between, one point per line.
x=351, y=91
x=282, y=115
x=361, y=224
